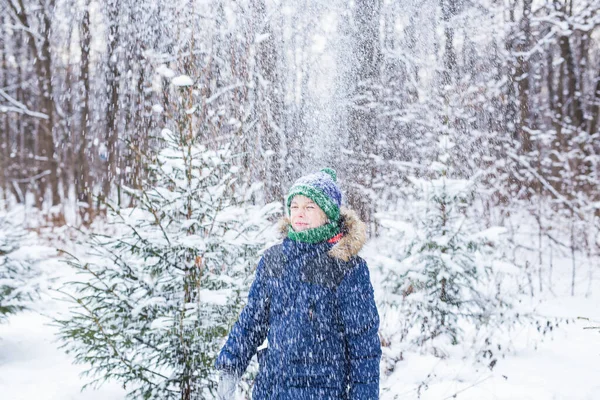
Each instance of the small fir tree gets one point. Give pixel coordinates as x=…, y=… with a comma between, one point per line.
x=156, y=298
x=18, y=285
x=449, y=282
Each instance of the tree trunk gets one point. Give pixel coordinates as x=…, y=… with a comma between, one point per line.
x=450, y=65
x=143, y=124
x=574, y=109
x=550, y=81
x=362, y=119
x=510, y=114
x=43, y=68
x=25, y=128
x=269, y=105
x=5, y=126
x=83, y=183
x=522, y=78
x=112, y=112
x=595, y=107
x=47, y=147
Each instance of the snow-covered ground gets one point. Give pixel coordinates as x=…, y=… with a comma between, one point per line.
x=32, y=367
x=562, y=366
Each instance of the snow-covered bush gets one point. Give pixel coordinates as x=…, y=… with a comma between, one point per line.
x=18, y=285
x=155, y=300
x=448, y=275
x=447, y=282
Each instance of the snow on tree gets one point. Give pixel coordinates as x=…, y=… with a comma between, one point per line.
x=453, y=283
x=18, y=285
x=155, y=299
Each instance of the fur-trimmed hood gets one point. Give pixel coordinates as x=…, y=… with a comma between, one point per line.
x=354, y=234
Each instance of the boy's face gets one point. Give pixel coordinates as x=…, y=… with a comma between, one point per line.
x=306, y=214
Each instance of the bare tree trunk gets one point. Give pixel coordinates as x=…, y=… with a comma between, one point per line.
x=294, y=131
x=25, y=134
x=269, y=105
x=522, y=78
x=19, y=126
x=550, y=82
x=574, y=109
x=573, y=262
x=571, y=113
x=43, y=68
x=559, y=144
x=511, y=112
x=595, y=107
x=450, y=65
x=67, y=138
x=593, y=127
x=83, y=183
x=142, y=124
x=5, y=127
x=112, y=112
x=362, y=122
x=47, y=147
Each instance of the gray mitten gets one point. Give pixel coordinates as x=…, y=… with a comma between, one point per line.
x=227, y=385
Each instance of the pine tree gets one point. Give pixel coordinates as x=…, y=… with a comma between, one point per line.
x=450, y=278
x=18, y=286
x=156, y=298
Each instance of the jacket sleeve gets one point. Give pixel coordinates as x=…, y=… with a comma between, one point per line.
x=360, y=319
x=249, y=331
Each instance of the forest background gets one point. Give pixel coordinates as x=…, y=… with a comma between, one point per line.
x=367, y=87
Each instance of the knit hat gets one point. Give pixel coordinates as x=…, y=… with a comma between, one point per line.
x=321, y=188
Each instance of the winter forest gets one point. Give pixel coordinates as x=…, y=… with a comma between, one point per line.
x=146, y=149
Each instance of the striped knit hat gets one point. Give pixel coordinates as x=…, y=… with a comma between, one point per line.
x=321, y=188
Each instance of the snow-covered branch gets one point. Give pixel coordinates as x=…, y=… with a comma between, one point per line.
x=18, y=107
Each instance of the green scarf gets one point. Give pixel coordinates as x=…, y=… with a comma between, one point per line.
x=315, y=235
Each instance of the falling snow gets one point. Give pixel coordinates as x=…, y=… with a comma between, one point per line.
x=146, y=149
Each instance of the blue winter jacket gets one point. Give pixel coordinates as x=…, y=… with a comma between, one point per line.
x=314, y=304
